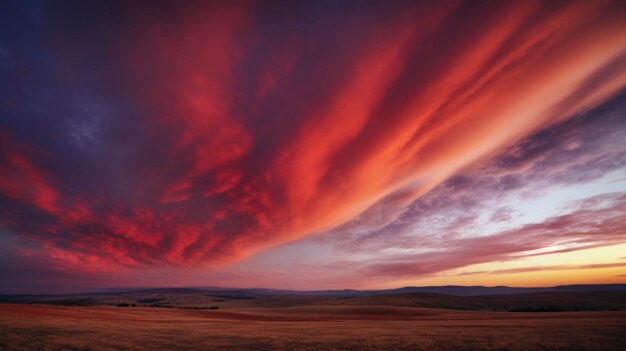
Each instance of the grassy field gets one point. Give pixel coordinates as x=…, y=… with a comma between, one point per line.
x=43, y=327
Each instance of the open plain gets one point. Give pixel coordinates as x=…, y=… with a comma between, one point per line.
x=314, y=327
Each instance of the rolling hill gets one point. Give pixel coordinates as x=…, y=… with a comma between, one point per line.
x=561, y=298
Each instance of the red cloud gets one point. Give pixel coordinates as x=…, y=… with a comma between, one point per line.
x=254, y=129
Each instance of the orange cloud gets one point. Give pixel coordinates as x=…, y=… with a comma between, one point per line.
x=248, y=126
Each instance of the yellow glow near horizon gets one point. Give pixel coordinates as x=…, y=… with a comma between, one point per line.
x=575, y=270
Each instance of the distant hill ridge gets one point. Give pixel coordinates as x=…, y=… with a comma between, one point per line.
x=455, y=290
x=604, y=297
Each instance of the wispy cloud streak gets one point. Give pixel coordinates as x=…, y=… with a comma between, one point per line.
x=156, y=135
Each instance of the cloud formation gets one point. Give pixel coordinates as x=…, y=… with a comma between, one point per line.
x=581, y=229
x=148, y=134
x=558, y=190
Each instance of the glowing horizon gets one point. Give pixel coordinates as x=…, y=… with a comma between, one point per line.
x=312, y=145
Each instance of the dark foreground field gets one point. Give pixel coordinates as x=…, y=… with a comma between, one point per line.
x=321, y=327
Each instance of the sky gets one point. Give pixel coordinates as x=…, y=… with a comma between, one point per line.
x=311, y=144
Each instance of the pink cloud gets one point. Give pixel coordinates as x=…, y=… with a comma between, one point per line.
x=235, y=127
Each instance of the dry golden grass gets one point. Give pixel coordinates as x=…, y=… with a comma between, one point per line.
x=40, y=327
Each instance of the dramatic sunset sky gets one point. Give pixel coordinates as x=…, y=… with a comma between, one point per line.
x=311, y=144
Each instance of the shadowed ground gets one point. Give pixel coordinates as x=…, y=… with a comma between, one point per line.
x=42, y=327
